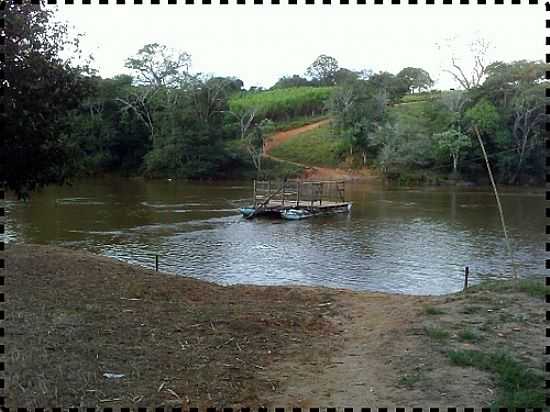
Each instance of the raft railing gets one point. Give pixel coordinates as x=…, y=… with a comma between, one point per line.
x=298, y=192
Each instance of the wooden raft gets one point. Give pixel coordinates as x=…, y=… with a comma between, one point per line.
x=297, y=198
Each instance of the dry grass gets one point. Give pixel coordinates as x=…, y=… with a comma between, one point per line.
x=73, y=317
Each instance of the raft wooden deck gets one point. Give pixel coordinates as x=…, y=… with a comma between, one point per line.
x=312, y=197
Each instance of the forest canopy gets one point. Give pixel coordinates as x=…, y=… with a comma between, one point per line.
x=163, y=120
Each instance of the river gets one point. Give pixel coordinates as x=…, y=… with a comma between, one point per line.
x=414, y=241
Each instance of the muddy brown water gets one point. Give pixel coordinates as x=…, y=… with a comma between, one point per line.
x=402, y=240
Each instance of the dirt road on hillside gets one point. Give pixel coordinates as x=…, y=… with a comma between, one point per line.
x=313, y=172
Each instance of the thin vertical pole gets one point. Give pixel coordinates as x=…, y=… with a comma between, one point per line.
x=254, y=195
x=298, y=188
x=283, y=198
x=156, y=263
x=501, y=213
x=466, y=273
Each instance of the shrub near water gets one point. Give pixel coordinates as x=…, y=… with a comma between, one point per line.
x=283, y=104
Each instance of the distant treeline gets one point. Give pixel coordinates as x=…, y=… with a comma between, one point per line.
x=162, y=120
x=437, y=132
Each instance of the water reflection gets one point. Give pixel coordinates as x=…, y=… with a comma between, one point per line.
x=411, y=241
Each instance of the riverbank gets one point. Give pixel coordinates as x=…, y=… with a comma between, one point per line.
x=85, y=330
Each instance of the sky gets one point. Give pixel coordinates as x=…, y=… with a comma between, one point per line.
x=260, y=44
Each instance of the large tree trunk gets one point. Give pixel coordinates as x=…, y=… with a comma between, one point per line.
x=525, y=131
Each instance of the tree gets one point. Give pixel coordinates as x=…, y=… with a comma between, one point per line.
x=453, y=141
x=357, y=110
x=210, y=95
x=291, y=81
x=386, y=83
x=528, y=116
x=323, y=70
x=340, y=106
x=105, y=137
x=517, y=88
x=190, y=131
x=40, y=88
x=157, y=69
x=415, y=79
x=158, y=66
x=254, y=142
x=454, y=101
x=470, y=76
x=505, y=80
x=343, y=76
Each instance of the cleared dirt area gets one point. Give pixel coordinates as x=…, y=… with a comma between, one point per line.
x=85, y=330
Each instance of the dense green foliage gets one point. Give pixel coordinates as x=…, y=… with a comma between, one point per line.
x=292, y=81
x=183, y=131
x=323, y=70
x=436, y=132
x=105, y=137
x=164, y=120
x=283, y=104
x=415, y=78
x=39, y=89
x=176, y=132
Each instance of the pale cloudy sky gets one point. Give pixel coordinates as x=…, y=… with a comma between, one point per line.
x=259, y=44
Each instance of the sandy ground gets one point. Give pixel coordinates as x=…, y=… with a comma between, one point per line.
x=72, y=317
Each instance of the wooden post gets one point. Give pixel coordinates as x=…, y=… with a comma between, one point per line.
x=320, y=193
x=298, y=187
x=156, y=263
x=466, y=273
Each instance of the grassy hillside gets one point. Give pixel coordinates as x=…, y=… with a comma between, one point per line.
x=321, y=147
x=318, y=147
x=411, y=112
x=283, y=104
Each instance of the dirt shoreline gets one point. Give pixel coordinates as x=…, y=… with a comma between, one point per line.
x=72, y=317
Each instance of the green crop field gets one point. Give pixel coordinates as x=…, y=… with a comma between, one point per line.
x=419, y=97
x=283, y=104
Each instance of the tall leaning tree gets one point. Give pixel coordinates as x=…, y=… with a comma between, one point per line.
x=158, y=71
x=39, y=89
